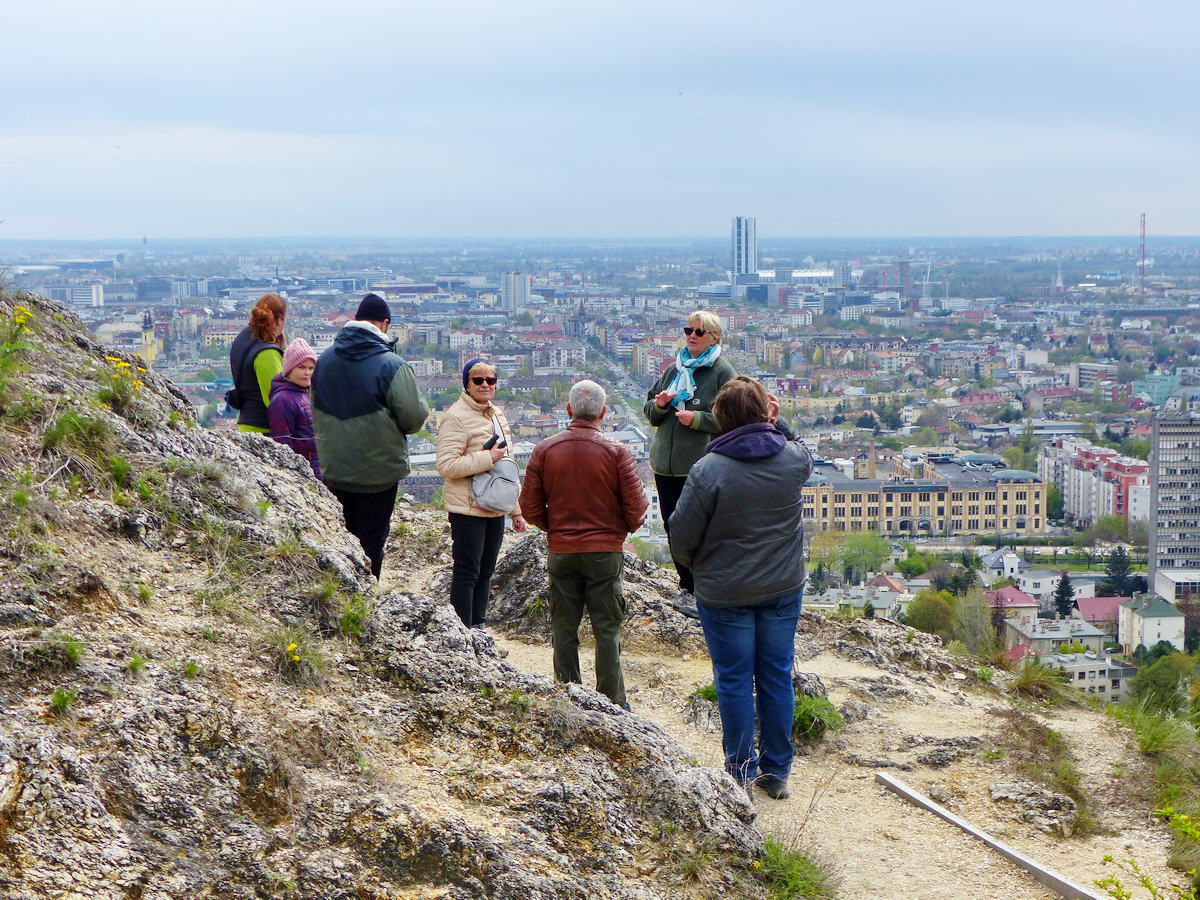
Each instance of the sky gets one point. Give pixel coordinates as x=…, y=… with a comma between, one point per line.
x=626, y=118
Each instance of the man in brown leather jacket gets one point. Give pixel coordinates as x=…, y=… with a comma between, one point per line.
x=583, y=490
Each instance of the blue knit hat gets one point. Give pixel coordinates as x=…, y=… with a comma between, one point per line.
x=469, y=366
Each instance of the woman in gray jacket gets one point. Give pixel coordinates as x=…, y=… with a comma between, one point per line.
x=738, y=526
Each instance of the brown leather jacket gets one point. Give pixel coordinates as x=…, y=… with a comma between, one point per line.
x=583, y=489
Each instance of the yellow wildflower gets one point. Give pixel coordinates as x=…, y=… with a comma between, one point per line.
x=292, y=648
x=113, y=359
x=295, y=658
x=757, y=864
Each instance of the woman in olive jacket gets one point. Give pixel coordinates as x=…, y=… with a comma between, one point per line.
x=679, y=406
x=476, y=532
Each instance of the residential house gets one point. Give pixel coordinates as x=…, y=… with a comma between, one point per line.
x=1094, y=673
x=1016, y=604
x=1103, y=612
x=1144, y=621
x=1045, y=636
x=1041, y=583
x=1002, y=563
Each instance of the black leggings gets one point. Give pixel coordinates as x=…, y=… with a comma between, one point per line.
x=669, y=490
x=476, y=546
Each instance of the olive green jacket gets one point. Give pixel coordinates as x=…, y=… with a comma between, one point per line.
x=677, y=447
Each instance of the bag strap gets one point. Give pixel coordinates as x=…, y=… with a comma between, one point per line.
x=497, y=430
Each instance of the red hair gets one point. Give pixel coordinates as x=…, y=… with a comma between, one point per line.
x=268, y=312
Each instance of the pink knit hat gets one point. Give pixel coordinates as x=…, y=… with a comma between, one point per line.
x=297, y=352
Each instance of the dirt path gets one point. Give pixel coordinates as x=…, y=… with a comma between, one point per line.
x=881, y=846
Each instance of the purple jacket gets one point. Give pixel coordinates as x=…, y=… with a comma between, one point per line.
x=291, y=421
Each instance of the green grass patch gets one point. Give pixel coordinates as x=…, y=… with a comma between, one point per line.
x=792, y=874
x=814, y=718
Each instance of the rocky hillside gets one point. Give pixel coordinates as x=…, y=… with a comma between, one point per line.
x=205, y=696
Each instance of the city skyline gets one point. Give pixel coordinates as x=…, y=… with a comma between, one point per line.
x=858, y=121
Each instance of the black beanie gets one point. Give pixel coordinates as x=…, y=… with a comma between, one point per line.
x=373, y=308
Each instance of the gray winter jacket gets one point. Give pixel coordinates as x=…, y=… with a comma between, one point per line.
x=738, y=524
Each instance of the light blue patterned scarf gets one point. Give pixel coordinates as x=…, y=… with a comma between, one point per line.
x=684, y=385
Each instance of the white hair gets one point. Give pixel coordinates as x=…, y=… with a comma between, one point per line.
x=587, y=400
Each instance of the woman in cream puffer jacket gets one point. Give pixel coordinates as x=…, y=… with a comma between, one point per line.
x=477, y=533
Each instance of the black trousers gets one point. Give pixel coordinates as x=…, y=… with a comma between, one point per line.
x=476, y=546
x=369, y=518
x=669, y=491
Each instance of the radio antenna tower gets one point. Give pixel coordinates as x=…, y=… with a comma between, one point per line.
x=1142, y=259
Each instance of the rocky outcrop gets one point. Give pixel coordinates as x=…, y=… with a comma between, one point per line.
x=205, y=694
x=1046, y=810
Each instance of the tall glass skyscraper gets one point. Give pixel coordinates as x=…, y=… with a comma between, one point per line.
x=743, y=254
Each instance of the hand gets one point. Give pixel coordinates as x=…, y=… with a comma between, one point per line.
x=497, y=453
x=772, y=408
x=519, y=523
x=685, y=417
x=663, y=398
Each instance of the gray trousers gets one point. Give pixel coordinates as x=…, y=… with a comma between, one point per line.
x=590, y=581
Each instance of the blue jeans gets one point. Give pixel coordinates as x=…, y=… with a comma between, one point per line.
x=752, y=648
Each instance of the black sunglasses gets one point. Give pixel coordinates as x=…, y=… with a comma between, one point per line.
x=479, y=379
x=689, y=330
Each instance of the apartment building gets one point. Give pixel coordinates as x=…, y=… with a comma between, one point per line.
x=1174, y=492
x=1095, y=481
x=1003, y=502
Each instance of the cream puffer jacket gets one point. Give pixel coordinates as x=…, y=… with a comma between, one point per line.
x=463, y=430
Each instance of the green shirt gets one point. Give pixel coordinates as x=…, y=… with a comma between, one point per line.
x=266, y=366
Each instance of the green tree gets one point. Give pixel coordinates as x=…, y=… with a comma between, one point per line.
x=206, y=374
x=925, y=437
x=863, y=552
x=1110, y=528
x=932, y=612
x=1136, y=447
x=525, y=317
x=1165, y=685
x=1119, y=570
x=973, y=623
x=1064, y=596
x=1054, y=502
x=818, y=579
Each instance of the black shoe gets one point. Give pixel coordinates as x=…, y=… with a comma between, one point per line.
x=686, y=604
x=773, y=786
x=626, y=707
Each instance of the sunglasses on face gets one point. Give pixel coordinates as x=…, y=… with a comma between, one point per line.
x=480, y=380
x=689, y=330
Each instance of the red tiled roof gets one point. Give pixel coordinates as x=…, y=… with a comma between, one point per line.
x=1098, y=609
x=1009, y=598
x=887, y=582
x=1018, y=653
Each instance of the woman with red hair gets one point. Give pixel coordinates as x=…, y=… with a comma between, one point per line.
x=256, y=357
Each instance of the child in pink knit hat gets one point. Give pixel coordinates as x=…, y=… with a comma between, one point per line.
x=290, y=410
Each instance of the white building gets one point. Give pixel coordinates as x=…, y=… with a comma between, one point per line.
x=1174, y=585
x=1144, y=621
x=514, y=291
x=1175, y=492
x=1041, y=583
x=743, y=251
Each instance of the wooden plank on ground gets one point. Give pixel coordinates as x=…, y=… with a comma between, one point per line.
x=1048, y=877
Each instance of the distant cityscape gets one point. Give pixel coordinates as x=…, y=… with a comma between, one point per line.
x=951, y=389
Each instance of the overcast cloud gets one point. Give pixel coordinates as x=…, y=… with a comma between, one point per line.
x=461, y=118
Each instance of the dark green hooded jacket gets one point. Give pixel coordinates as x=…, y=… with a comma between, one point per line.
x=365, y=403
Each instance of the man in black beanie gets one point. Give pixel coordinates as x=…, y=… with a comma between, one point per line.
x=365, y=404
